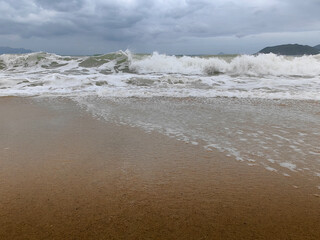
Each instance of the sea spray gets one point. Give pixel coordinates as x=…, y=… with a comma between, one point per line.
x=124, y=74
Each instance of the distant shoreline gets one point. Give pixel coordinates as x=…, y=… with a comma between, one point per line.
x=285, y=49
x=9, y=50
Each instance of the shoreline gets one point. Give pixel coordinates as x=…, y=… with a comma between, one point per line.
x=67, y=175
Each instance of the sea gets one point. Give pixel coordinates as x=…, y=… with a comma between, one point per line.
x=262, y=110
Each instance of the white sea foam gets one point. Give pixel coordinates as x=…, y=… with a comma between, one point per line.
x=271, y=169
x=123, y=74
x=269, y=129
x=290, y=166
x=246, y=65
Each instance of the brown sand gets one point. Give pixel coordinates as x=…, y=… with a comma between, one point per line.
x=66, y=175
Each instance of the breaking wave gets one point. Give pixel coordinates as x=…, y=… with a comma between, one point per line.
x=241, y=65
x=108, y=63
x=124, y=74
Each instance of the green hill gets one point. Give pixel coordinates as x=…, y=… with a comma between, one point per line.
x=291, y=50
x=317, y=47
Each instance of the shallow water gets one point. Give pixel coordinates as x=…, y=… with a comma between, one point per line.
x=263, y=110
x=282, y=136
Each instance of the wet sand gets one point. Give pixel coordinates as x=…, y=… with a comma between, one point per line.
x=67, y=175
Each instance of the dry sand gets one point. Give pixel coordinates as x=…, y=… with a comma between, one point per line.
x=66, y=175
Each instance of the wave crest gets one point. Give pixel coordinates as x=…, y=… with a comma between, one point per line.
x=112, y=62
x=124, y=61
x=246, y=65
x=122, y=74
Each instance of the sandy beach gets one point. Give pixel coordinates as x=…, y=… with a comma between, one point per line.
x=67, y=175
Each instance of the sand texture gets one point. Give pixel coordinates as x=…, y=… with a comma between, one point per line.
x=67, y=175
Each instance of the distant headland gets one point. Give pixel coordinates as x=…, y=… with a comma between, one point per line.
x=9, y=50
x=285, y=49
x=292, y=50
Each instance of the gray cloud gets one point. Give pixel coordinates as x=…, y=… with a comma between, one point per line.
x=60, y=5
x=155, y=23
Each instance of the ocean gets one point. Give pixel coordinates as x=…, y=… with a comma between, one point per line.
x=262, y=110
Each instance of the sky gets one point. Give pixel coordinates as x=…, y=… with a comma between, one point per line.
x=77, y=27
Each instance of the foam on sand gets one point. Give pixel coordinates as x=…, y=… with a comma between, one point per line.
x=290, y=166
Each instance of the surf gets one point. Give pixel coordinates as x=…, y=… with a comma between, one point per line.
x=125, y=74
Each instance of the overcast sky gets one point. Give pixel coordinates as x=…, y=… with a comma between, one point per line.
x=166, y=26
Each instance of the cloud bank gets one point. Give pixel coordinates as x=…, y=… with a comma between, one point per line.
x=92, y=25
